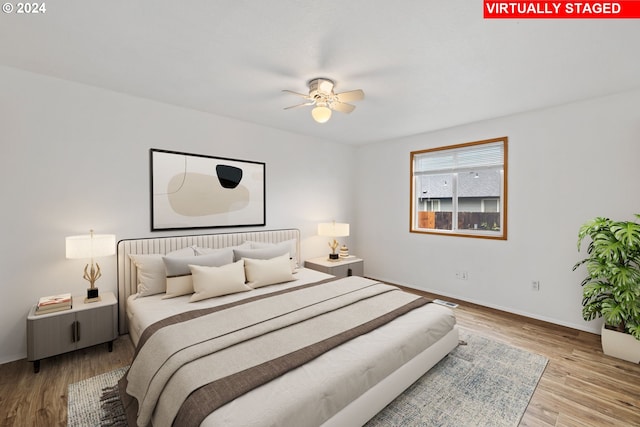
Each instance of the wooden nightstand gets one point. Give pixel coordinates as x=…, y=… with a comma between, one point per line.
x=351, y=266
x=84, y=325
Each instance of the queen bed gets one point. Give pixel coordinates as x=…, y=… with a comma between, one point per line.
x=288, y=346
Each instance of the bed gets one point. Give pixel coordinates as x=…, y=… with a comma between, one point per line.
x=369, y=367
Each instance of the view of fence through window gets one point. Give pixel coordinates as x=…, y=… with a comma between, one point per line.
x=460, y=189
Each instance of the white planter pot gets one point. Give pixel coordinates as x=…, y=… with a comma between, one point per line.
x=622, y=346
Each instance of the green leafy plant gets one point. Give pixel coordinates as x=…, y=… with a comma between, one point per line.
x=612, y=288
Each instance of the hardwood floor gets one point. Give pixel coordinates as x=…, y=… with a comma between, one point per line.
x=580, y=386
x=40, y=400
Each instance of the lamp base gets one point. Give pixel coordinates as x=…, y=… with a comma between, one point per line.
x=92, y=295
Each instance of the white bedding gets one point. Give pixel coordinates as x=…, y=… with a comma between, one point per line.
x=313, y=393
x=142, y=312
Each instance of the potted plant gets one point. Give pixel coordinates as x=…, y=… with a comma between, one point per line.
x=611, y=289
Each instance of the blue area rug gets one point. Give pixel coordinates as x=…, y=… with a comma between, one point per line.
x=482, y=383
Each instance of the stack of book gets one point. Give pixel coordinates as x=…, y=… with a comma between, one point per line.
x=54, y=303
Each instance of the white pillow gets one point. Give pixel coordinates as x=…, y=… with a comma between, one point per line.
x=179, y=285
x=209, y=282
x=206, y=251
x=263, y=272
x=266, y=252
x=291, y=246
x=152, y=277
x=178, y=272
x=191, y=250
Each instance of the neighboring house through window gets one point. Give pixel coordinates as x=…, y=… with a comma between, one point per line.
x=460, y=189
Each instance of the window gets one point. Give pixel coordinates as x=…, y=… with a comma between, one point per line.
x=461, y=190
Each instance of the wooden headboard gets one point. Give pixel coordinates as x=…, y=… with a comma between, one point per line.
x=127, y=272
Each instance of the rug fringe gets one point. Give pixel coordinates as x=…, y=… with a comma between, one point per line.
x=113, y=414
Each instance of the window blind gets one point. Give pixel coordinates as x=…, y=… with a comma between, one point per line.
x=475, y=156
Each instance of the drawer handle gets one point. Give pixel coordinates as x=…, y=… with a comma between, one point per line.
x=75, y=331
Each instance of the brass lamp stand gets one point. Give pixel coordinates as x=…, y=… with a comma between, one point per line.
x=90, y=246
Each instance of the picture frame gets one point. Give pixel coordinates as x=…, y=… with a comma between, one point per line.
x=191, y=191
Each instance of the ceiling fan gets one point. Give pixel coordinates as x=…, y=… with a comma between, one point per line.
x=324, y=100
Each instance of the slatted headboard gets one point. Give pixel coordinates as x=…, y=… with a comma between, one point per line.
x=127, y=272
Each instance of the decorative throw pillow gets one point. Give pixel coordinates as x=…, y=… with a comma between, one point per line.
x=152, y=277
x=205, y=251
x=178, y=273
x=179, y=285
x=191, y=250
x=209, y=282
x=263, y=272
x=262, y=253
x=290, y=246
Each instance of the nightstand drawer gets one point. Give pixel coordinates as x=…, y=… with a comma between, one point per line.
x=354, y=269
x=341, y=268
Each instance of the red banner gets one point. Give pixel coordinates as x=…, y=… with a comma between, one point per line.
x=626, y=9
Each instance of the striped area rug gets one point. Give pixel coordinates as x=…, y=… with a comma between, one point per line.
x=482, y=383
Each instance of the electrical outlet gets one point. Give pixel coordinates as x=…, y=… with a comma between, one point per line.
x=535, y=285
x=462, y=275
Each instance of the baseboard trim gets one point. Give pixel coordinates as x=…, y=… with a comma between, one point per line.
x=596, y=329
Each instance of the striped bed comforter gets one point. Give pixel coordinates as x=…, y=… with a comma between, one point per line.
x=189, y=365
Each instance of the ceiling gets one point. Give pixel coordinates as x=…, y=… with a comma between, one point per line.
x=423, y=64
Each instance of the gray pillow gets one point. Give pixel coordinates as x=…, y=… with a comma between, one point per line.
x=180, y=266
x=262, y=253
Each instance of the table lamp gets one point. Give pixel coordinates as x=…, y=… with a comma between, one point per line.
x=91, y=246
x=333, y=230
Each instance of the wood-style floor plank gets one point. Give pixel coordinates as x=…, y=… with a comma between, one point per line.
x=580, y=386
x=40, y=400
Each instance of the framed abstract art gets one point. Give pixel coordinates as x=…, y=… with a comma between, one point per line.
x=197, y=191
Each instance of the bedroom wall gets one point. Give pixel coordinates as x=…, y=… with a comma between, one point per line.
x=76, y=157
x=566, y=165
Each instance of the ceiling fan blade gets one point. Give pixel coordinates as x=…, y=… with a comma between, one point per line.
x=352, y=95
x=300, y=105
x=306, y=96
x=342, y=107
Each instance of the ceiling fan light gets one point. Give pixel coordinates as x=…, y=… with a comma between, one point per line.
x=321, y=114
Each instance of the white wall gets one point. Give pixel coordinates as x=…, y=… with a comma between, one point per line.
x=566, y=165
x=76, y=157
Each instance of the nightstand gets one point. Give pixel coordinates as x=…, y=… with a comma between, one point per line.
x=344, y=267
x=84, y=325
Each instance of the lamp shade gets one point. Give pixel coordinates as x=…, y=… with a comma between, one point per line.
x=90, y=246
x=333, y=229
x=321, y=114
